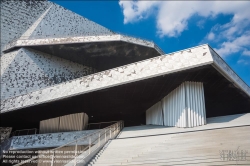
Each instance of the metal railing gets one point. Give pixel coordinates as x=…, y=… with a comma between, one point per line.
x=99, y=125
x=24, y=132
x=81, y=150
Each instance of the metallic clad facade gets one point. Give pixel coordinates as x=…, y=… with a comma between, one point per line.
x=18, y=16
x=153, y=67
x=26, y=70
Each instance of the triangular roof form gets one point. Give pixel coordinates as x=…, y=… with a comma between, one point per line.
x=160, y=65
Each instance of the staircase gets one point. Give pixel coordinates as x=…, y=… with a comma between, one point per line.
x=77, y=152
x=225, y=146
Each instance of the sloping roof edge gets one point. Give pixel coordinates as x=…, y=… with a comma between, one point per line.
x=149, y=68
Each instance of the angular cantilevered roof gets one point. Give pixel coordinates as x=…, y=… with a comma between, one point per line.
x=153, y=67
x=65, y=34
x=57, y=25
x=80, y=39
x=56, y=22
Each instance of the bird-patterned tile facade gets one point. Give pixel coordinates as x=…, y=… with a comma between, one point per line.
x=50, y=139
x=18, y=16
x=149, y=68
x=30, y=77
x=60, y=22
x=27, y=70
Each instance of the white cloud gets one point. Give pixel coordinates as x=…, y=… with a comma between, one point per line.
x=239, y=43
x=211, y=36
x=200, y=24
x=246, y=52
x=242, y=61
x=172, y=16
x=172, y=19
x=136, y=10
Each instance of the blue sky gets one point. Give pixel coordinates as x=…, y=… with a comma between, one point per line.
x=174, y=26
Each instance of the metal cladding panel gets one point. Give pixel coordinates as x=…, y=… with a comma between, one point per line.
x=48, y=140
x=154, y=115
x=195, y=104
x=153, y=67
x=27, y=70
x=224, y=69
x=43, y=19
x=183, y=107
x=5, y=133
x=60, y=22
x=85, y=121
x=72, y=122
x=18, y=16
x=174, y=107
x=49, y=126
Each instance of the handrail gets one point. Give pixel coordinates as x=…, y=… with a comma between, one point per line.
x=102, y=122
x=89, y=126
x=95, y=141
x=81, y=138
x=14, y=132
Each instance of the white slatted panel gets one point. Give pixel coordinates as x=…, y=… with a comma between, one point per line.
x=49, y=126
x=174, y=108
x=85, y=121
x=72, y=122
x=154, y=115
x=183, y=107
x=195, y=104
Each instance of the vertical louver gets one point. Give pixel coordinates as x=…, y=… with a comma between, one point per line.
x=49, y=126
x=72, y=122
x=154, y=115
x=183, y=107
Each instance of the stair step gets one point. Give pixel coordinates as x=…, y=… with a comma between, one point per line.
x=194, y=148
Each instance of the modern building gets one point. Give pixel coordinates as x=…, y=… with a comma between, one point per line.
x=62, y=73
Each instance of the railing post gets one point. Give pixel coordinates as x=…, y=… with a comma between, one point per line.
x=105, y=135
x=110, y=132
x=99, y=140
x=89, y=144
x=75, y=152
x=52, y=161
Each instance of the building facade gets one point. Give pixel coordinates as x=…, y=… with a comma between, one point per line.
x=55, y=63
